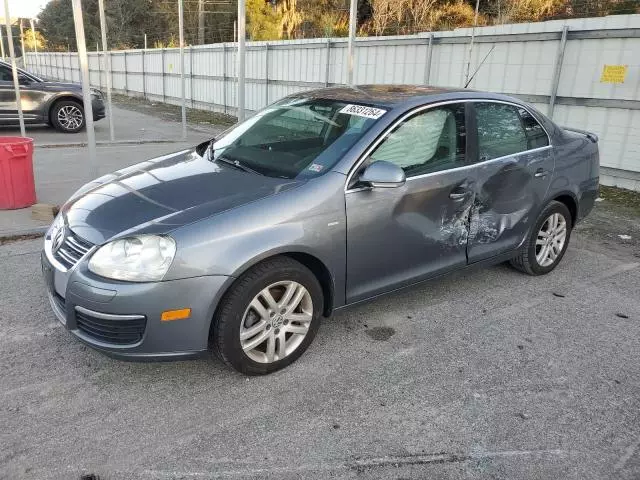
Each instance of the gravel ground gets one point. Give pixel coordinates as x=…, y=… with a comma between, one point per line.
x=483, y=374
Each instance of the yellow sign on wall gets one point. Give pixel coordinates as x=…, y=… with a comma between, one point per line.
x=613, y=74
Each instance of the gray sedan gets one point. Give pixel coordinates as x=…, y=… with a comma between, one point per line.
x=326, y=198
x=45, y=101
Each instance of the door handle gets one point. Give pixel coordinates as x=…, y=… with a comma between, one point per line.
x=540, y=173
x=456, y=196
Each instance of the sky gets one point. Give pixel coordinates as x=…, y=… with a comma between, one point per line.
x=25, y=8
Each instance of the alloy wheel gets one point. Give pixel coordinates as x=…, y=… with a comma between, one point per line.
x=70, y=117
x=551, y=239
x=276, y=322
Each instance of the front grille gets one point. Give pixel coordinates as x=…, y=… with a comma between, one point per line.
x=73, y=248
x=118, y=331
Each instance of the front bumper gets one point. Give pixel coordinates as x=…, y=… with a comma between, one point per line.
x=97, y=105
x=122, y=319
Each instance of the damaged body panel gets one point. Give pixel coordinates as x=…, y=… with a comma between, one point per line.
x=414, y=232
x=508, y=196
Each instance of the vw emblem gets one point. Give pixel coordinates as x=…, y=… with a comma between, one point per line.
x=57, y=240
x=277, y=321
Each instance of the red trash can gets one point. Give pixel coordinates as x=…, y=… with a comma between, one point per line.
x=17, y=187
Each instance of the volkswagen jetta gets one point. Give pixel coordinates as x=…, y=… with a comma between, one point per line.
x=326, y=198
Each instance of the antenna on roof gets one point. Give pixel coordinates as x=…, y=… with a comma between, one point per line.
x=481, y=63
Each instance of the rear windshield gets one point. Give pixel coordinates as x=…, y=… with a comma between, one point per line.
x=296, y=138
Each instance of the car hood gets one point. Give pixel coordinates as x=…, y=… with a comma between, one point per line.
x=162, y=194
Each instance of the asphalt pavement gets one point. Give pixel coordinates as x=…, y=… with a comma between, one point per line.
x=485, y=374
x=482, y=374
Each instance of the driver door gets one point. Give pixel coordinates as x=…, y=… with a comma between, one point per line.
x=402, y=235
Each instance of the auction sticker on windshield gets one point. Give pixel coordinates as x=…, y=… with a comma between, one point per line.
x=363, y=111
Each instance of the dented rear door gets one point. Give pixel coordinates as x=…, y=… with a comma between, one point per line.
x=513, y=173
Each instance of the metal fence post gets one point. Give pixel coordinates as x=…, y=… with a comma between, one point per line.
x=144, y=84
x=266, y=74
x=126, y=74
x=351, y=44
x=326, y=72
x=99, y=71
x=427, y=67
x=224, y=77
x=191, y=74
x=241, y=61
x=163, y=91
x=558, y=68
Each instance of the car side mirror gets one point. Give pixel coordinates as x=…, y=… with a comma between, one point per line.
x=383, y=174
x=24, y=80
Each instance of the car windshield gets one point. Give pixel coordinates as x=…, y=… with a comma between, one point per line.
x=296, y=138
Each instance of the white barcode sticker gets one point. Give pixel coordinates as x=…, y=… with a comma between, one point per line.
x=363, y=111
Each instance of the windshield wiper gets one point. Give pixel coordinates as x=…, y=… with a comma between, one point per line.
x=236, y=164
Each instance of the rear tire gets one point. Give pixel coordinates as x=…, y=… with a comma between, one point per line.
x=547, y=242
x=68, y=116
x=257, y=329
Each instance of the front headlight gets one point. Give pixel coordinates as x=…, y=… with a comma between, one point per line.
x=95, y=92
x=141, y=258
x=55, y=227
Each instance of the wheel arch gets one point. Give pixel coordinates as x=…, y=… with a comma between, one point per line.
x=309, y=260
x=61, y=98
x=571, y=202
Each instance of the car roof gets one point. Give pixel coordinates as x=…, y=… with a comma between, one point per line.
x=400, y=96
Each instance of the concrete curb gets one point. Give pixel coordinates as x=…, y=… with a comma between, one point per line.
x=25, y=232
x=105, y=142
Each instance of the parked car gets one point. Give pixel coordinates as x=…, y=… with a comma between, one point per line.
x=45, y=101
x=324, y=199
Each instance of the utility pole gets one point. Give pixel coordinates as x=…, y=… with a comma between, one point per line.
x=241, y=57
x=24, y=57
x=35, y=44
x=2, y=43
x=107, y=66
x=182, y=84
x=14, y=68
x=200, y=22
x=353, y=19
x=86, y=93
x=145, y=41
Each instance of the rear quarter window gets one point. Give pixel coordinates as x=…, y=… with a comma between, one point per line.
x=536, y=136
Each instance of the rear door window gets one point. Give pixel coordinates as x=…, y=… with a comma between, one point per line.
x=500, y=130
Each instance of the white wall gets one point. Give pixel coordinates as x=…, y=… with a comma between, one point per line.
x=522, y=62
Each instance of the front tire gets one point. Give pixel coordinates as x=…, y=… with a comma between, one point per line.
x=268, y=318
x=68, y=116
x=547, y=242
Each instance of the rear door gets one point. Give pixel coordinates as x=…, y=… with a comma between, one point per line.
x=514, y=169
x=398, y=236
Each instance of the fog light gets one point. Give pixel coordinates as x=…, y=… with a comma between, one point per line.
x=170, y=315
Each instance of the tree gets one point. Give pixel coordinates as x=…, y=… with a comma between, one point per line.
x=128, y=21
x=263, y=20
x=30, y=40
